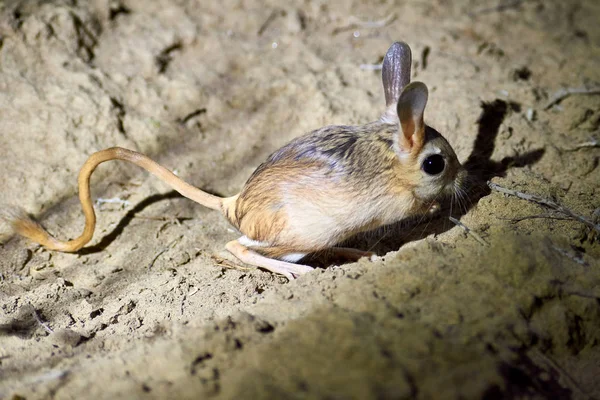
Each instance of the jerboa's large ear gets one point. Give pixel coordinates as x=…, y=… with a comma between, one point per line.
x=411, y=106
x=395, y=75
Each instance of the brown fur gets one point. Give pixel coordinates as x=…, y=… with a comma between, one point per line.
x=345, y=170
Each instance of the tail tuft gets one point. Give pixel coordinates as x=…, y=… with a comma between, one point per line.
x=15, y=220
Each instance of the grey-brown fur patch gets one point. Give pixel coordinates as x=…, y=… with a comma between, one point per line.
x=329, y=162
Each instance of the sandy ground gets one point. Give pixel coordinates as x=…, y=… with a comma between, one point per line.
x=155, y=308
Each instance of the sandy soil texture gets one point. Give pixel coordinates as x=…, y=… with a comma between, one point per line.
x=156, y=308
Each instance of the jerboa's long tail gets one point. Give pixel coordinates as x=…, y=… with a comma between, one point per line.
x=22, y=224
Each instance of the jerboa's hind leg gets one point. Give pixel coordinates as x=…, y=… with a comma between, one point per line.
x=249, y=256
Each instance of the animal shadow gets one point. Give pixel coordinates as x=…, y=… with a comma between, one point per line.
x=480, y=167
x=118, y=230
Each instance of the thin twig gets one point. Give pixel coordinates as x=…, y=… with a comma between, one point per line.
x=577, y=258
x=37, y=317
x=228, y=264
x=541, y=216
x=578, y=293
x=552, y=363
x=545, y=202
x=48, y=377
x=156, y=257
x=563, y=93
x=114, y=200
x=274, y=14
x=176, y=220
x=168, y=220
x=591, y=144
x=184, y=298
x=499, y=7
x=170, y=245
x=468, y=230
x=160, y=228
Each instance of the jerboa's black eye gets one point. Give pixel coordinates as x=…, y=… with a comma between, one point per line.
x=434, y=164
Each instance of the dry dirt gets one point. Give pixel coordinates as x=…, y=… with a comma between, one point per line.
x=155, y=308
